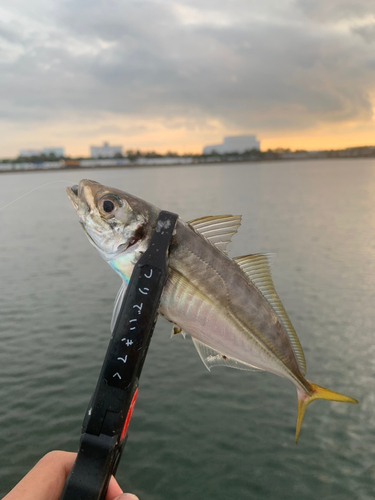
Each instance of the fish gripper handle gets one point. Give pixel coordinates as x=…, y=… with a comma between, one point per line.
x=104, y=430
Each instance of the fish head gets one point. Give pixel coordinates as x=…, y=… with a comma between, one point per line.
x=114, y=221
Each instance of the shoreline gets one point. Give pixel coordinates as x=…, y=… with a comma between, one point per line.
x=176, y=164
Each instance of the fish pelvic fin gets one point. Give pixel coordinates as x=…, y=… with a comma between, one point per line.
x=317, y=392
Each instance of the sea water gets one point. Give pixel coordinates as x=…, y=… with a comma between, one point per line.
x=219, y=435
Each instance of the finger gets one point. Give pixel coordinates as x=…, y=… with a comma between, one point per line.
x=114, y=490
x=126, y=496
x=46, y=480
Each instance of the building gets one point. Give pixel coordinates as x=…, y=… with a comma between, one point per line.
x=105, y=151
x=28, y=153
x=58, y=152
x=234, y=144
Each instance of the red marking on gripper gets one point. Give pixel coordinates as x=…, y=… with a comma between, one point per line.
x=128, y=416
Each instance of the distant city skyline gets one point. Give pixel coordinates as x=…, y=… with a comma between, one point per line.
x=228, y=144
x=105, y=151
x=234, y=143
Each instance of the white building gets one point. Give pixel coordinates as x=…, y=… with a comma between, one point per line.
x=234, y=144
x=58, y=152
x=30, y=152
x=105, y=151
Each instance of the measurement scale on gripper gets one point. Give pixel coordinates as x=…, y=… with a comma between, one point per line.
x=107, y=418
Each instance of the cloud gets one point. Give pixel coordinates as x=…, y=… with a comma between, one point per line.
x=249, y=65
x=367, y=32
x=336, y=10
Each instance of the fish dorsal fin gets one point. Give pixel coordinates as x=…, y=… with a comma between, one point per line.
x=217, y=229
x=118, y=301
x=257, y=268
x=211, y=358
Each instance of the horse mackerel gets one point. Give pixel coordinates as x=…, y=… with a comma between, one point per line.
x=229, y=306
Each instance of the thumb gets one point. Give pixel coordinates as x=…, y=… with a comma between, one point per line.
x=126, y=496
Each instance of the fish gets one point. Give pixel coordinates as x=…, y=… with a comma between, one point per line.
x=229, y=307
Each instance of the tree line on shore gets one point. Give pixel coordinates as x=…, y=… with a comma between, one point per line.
x=249, y=155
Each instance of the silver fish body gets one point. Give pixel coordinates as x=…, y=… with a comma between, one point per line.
x=228, y=306
x=209, y=296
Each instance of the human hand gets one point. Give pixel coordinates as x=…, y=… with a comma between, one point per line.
x=46, y=480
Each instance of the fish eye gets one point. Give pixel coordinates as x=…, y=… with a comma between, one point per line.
x=108, y=204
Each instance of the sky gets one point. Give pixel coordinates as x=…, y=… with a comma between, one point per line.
x=177, y=75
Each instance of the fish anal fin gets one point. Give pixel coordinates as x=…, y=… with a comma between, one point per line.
x=257, y=268
x=317, y=392
x=211, y=357
x=217, y=229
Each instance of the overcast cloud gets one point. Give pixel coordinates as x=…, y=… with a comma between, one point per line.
x=264, y=66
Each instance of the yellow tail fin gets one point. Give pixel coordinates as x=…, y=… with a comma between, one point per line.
x=317, y=393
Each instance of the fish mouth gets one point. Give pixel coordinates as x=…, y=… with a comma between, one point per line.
x=72, y=192
x=83, y=195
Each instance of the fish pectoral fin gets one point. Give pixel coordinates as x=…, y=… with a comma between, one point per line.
x=317, y=392
x=257, y=268
x=176, y=330
x=217, y=229
x=211, y=357
x=118, y=301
